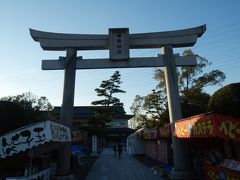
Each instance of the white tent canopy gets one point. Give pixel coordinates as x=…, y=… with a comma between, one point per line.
x=134, y=144
x=33, y=135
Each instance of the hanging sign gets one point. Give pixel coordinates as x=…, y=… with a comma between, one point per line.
x=164, y=131
x=33, y=135
x=209, y=125
x=215, y=172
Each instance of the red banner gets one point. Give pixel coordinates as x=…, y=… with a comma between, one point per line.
x=214, y=172
x=228, y=128
x=208, y=125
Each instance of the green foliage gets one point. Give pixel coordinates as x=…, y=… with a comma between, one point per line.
x=12, y=116
x=21, y=110
x=102, y=114
x=226, y=100
x=191, y=77
x=29, y=101
x=154, y=104
x=103, y=111
x=150, y=110
x=137, y=105
x=191, y=81
x=107, y=89
x=194, y=102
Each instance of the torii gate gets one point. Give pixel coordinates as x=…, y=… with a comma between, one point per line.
x=119, y=42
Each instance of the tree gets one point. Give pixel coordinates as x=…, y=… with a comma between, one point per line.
x=29, y=101
x=12, y=116
x=138, y=110
x=191, y=81
x=20, y=110
x=226, y=100
x=150, y=110
x=154, y=104
x=194, y=102
x=107, y=89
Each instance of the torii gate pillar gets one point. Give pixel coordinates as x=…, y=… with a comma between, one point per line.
x=181, y=163
x=64, y=152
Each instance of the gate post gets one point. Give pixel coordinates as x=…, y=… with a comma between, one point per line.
x=181, y=162
x=64, y=152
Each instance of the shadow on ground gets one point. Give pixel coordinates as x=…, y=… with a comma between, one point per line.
x=154, y=165
x=81, y=171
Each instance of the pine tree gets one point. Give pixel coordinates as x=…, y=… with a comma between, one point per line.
x=105, y=108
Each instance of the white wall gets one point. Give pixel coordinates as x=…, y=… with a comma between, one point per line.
x=132, y=123
x=118, y=124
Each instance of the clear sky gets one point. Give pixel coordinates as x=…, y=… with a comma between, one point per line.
x=20, y=59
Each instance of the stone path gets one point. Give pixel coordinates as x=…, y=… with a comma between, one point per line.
x=108, y=167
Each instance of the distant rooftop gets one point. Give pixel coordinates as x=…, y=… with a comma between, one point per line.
x=118, y=130
x=85, y=112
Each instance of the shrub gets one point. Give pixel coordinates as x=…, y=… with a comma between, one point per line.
x=226, y=100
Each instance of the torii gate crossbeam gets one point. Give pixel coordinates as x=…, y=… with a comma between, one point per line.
x=61, y=41
x=107, y=63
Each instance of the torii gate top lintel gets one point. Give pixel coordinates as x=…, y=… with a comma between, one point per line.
x=62, y=41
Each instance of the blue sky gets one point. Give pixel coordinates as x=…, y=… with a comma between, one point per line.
x=20, y=60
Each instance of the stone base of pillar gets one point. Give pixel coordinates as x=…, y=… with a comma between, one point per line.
x=183, y=175
x=67, y=177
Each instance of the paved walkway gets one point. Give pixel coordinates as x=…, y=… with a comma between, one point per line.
x=108, y=167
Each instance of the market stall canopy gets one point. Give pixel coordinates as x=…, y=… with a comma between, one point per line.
x=164, y=131
x=209, y=125
x=150, y=134
x=134, y=144
x=31, y=136
x=135, y=134
x=147, y=134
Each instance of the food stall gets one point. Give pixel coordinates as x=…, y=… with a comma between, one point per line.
x=164, y=151
x=157, y=146
x=150, y=137
x=214, y=143
x=135, y=145
x=24, y=152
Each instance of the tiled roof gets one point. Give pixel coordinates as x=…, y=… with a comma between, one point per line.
x=118, y=130
x=86, y=112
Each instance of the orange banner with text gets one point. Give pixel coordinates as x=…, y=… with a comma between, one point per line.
x=208, y=125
